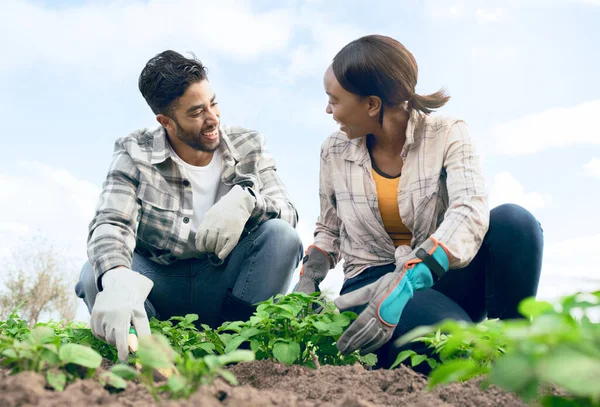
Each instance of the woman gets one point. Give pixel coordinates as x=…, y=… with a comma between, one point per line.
x=403, y=203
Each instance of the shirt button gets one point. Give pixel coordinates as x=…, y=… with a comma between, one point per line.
x=186, y=220
x=186, y=183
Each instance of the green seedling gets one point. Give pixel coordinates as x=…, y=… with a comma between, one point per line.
x=289, y=330
x=42, y=352
x=556, y=345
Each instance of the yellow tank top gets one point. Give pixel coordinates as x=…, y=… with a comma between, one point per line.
x=387, y=195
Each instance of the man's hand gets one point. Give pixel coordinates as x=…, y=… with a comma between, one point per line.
x=387, y=297
x=315, y=266
x=118, y=306
x=224, y=222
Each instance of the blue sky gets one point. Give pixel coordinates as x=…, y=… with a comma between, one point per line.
x=522, y=74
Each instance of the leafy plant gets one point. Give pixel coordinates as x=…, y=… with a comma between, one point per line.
x=555, y=345
x=186, y=372
x=41, y=352
x=287, y=329
x=183, y=335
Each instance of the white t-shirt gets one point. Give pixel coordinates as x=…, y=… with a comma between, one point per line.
x=206, y=183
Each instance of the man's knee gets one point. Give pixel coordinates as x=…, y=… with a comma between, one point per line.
x=283, y=235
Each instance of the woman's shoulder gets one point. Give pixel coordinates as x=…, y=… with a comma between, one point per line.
x=335, y=141
x=437, y=122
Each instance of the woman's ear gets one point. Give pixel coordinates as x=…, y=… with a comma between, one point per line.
x=375, y=106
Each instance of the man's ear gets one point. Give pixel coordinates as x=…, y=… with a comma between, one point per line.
x=163, y=120
x=375, y=105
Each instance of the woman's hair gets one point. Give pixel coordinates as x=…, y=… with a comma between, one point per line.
x=376, y=65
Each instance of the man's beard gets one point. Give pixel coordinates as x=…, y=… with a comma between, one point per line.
x=195, y=140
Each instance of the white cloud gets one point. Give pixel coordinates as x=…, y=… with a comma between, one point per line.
x=446, y=10
x=592, y=168
x=117, y=37
x=312, y=58
x=507, y=189
x=47, y=201
x=557, y=127
x=485, y=16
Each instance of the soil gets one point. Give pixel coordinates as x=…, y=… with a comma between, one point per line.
x=265, y=383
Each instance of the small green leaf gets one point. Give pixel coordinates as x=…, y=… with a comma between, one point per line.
x=79, y=355
x=155, y=352
x=236, y=356
x=512, y=372
x=250, y=332
x=207, y=347
x=402, y=356
x=572, y=370
x=234, y=343
x=50, y=356
x=228, y=376
x=124, y=371
x=453, y=371
x=417, y=359
x=286, y=352
x=176, y=384
x=370, y=359
x=191, y=318
x=41, y=335
x=57, y=379
x=531, y=308
x=111, y=380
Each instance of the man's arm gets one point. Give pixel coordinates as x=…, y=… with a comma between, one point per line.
x=272, y=199
x=112, y=232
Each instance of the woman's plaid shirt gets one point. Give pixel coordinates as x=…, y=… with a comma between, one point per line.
x=441, y=194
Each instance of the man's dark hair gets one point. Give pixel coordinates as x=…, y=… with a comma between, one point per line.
x=166, y=77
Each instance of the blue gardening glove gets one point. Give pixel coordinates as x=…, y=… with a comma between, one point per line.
x=387, y=297
x=315, y=266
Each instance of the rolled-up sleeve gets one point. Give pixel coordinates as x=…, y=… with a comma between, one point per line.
x=327, y=231
x=466, y=219
x=112, y=231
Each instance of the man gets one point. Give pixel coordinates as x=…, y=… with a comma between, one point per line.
x=192, y=217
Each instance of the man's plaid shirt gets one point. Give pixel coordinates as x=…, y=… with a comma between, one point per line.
x=441, y=194
x=146, y=202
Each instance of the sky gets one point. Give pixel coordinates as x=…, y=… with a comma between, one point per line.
x=522, y=74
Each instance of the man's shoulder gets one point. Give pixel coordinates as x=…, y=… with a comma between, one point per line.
x=140, y=143
x=244, y=140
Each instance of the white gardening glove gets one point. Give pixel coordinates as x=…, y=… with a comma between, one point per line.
x=224, y=222
x=118, y=306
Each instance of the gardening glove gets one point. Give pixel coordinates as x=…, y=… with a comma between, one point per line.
x=224, y=222
x=315, y=266
x=119, y=305
x=388, y=296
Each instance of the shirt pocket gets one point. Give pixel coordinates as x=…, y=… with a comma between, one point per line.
x=158, y=216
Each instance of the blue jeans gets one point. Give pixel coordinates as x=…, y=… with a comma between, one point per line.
x=505, y=270
x=259, y=267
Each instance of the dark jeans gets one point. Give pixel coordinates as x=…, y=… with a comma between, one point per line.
x=259, y=267
x=505, y=271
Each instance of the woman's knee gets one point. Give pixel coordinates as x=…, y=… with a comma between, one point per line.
x=514, y=217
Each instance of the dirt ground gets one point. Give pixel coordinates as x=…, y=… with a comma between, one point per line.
x=264, y=383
